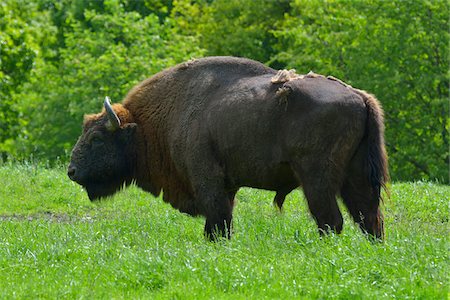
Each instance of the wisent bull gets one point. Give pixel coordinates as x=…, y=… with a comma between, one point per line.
x=201, y=130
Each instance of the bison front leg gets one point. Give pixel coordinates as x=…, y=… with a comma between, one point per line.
x=213, y=198
x=218, y=224
x=216, y=205
x=218, y=210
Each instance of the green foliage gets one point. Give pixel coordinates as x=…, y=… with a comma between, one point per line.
x=106, y=51
x=233, y=27
x=54, y=243
x=397, y=50
x=59, y=59
x=23, y=31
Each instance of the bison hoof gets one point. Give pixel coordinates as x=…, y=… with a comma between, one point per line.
x=217, y=232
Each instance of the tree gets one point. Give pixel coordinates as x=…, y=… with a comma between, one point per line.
x=232, y=27
x=58, y=60
x=398, y=51
x=106, y=51
x=24, y=33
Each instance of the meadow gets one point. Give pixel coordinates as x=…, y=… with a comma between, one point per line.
x=55, y=243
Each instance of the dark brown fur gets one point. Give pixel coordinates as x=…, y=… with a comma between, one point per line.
x=201, y=130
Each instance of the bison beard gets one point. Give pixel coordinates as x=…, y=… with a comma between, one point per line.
x=97, y=190
x=201, y=130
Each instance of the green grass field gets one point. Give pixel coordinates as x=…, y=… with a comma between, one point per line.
x=54, y=243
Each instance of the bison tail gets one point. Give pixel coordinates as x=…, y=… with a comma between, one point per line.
x=368, y=173
x=376, y=163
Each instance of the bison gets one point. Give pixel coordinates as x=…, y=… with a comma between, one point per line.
x=202, y=129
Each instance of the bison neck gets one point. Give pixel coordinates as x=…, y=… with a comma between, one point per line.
x=155, y=172
x=145, y=175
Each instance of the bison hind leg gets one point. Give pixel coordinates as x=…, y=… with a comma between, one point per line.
x=279, y=200
x=324, y=209
x=280, y=197
x=320, y=184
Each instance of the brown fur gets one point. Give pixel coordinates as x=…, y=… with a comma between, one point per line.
x=159, y=168
x=124, y=115
x=377, y=158
x=201, y=130
x=377, y=163
x=368, y=172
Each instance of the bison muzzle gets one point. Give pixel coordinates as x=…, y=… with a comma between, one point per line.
x=201, y=130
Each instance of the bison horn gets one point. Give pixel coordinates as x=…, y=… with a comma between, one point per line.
x=113, y=120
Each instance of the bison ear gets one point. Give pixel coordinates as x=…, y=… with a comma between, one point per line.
x=127, y=132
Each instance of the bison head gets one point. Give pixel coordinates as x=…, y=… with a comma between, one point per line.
x=103, y=157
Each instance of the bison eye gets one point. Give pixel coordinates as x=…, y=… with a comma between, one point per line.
x=96, y=139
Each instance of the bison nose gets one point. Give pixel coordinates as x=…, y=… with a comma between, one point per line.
x=71, y=171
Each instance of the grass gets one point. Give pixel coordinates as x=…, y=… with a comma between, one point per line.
x=54, y=243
